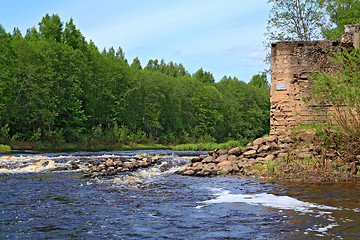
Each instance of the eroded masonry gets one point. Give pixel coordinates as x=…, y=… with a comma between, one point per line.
x=291, y=66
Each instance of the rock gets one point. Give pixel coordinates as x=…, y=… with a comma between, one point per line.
x=270, y=139
x=189, y=172
x=249, y=153
x=234, y=151
x=101, y=166
x=222, y=158
x=211, y=153
x=269, y=157
x=197, y=165
x=261, y=160
x=274, y=146
x=109, y=163
x=225, y=166
x=208, y=159
x=258, y=141
x=111, y=168
x=263, y=148
x=284, y=146
x=232, y=158
x=155, y=159
x=118, y=163
x=254, y=147
x=222, y=152
x=203, y=156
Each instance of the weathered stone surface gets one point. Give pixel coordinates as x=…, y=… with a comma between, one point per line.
x=189, y=172
x=270, y=139
x=261, y=160
x=258, y=141
x=291, y=65
x=222, y=158
x=234, y=151
x=208, y=159
x=274, y=146
x=222, y=152
x=249, y=153
x=232, y=158
x=263, y=148
x=254, y=147
x=269, y=157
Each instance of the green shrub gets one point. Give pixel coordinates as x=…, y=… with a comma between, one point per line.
x=5, y=148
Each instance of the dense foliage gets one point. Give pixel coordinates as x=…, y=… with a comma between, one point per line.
x=57, y=87
x=341, y=90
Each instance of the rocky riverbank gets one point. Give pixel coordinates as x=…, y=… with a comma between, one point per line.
x=294, y=157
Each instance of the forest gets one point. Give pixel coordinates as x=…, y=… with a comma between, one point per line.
x=56, y=87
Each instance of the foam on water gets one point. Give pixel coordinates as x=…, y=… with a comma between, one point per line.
x=270, y=200
x=281, y=203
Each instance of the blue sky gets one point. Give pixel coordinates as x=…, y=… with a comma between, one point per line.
x=224, y=37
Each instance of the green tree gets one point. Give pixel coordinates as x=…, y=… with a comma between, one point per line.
x=260, y=81
x=295, y=20
x=73, y=36
x=341, y=90
x=203, y=76
x=51, y=27
x=341, y=12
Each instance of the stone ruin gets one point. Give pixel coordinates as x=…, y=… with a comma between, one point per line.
x=291, y=66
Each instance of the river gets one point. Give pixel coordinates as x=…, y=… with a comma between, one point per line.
x=41, y=200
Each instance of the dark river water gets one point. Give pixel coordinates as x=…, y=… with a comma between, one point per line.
x=37, y=201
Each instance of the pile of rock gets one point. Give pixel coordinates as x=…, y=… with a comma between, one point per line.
x=108, y=167
x=240, y=161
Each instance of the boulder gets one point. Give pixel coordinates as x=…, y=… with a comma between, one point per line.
x=254, y=147
x=249, y=153
x=189, y=172
x=203, y=156
x=274, y=146
x=109, y=163
x=261, y=160
x=269, y=157
x=154, y=159
x=226, y=166
x=222, y=158
x=263, y=148
x=258, y=141
x=232, y=158
x=222, y=152
x=234, y=151
x=270, y=139
x=208, y=159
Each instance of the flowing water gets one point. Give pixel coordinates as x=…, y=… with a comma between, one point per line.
x=40, y=199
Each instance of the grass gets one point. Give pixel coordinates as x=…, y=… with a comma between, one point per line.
x=207, y=146
x=5, y=148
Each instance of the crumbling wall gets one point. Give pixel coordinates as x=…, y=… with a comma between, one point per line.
x=291, y=66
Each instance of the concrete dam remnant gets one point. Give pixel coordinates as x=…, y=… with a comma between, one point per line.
x=291, y=66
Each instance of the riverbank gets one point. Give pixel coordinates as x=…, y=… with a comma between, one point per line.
x=299, y=156
x=100, y=146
